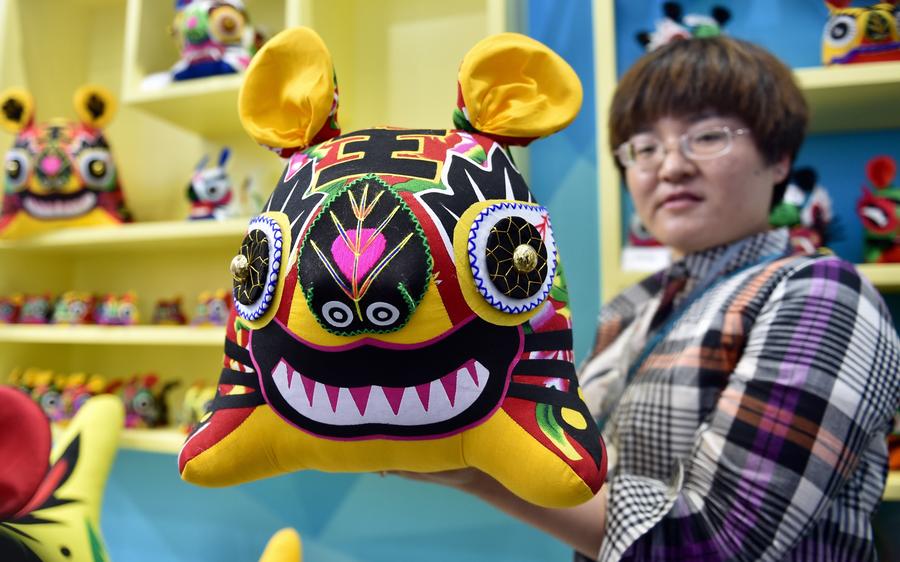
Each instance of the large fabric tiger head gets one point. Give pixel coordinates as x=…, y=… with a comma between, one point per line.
x=59, y=173
x=400, y=303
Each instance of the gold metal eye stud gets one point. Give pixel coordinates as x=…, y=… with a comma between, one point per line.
x=525, y=258
x=240, y=268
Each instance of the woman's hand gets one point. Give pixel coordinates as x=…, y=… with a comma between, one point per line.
x=464, y=479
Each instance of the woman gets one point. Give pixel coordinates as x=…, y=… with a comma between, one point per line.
x=745, y=392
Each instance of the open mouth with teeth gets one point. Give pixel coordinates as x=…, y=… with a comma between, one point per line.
x=59, y=206
x=371, y=389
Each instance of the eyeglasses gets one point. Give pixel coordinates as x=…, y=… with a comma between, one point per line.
x=648, y=152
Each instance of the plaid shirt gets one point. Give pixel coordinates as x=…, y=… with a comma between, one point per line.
x=755, y=428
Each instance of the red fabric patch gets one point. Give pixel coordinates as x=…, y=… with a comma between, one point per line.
x=219, y=425
x=24, y=448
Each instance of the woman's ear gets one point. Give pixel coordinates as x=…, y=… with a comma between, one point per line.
x=17, y=108
x=94, y=105
x=781, y=168
x=288, y=100
x=515, y=89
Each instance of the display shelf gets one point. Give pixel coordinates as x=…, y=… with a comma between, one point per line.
x=852, y=97
x=163, y=440
x=202, y=336
x=156, y=235
x=884, y=276
x=892, y=487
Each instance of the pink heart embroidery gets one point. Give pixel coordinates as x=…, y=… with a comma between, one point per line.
x=344, y=256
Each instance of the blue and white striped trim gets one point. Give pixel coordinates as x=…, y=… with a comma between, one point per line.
x=272, y=230
x=477, y=245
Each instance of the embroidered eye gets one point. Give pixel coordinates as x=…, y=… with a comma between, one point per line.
x=382, y=313
x=17, y=168
x=226, y=24
x=512, y=254
x=337, y=314
x=840, y=31
x=255, y=270
x=97, y=169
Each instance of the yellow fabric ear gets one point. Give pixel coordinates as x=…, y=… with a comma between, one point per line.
x=95, y=105
x=517, y=88
x=289, y=91
x=17, y=107
x=284, y=546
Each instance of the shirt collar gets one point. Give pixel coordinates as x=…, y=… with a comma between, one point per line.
x=698, y=266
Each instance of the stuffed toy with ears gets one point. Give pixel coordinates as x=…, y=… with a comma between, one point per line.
x=59, y=173
x=210, y=191
x=861, y=34
x=9, y=309
x=806, y=210
x=214, y=36
x=399, y=302
x=50, y=505
x=879, y=210
x=677, y=25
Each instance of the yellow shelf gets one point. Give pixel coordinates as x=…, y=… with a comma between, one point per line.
x=164, y=440
x=885, y=276
x=155, y=235
x=114, y=335
x=892, y=487
x=206, y=106
x=852, y=97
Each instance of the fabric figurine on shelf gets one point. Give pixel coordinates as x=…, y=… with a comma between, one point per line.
x=879, y=210
x=52, y=493
x=196, y=405
x=9, y=309
x=806, y=210
x=59, y=173
x=676, y=25
x=213, y=308
x=74, y=307
x=210, y=191
x=36, y=309
x=78, y=389
x=169, y=312
x=145, y=400
x=214, y=36
x=46, y=390
x=399, y=302
x=861, y=34
x=117, y=310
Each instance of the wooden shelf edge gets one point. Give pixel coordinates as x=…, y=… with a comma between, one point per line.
x=892, y=487
x=113, y=335
x=131, y=234
x=164, y=440
x=848, y=75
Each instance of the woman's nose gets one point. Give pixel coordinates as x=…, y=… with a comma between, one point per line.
x=675, y=165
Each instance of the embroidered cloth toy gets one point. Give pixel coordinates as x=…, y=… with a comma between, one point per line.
x=50, y=505
x=676, y=25
x=861, y=34
x=59, y=173
x=399, y=302
x=879, y=210
x=169, y=312
x=36, y=309
x=215, y=37
x=210, y=191
x=806, y=210
x=9, y=309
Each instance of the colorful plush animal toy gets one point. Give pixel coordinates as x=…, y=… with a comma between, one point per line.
x=210, y=191
x=879, y=210
x=215, y=37
x=36, y=309
x=213, y=308
x=74, y=307
x=399, y=302
x=169, y=312
x=117, y=310
x=146, y=401
x=59, y=173
x=9, y=309
x=806, y=210
x=50, y=506
x=196, y=406
x=861, y=34
x=677, y=25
